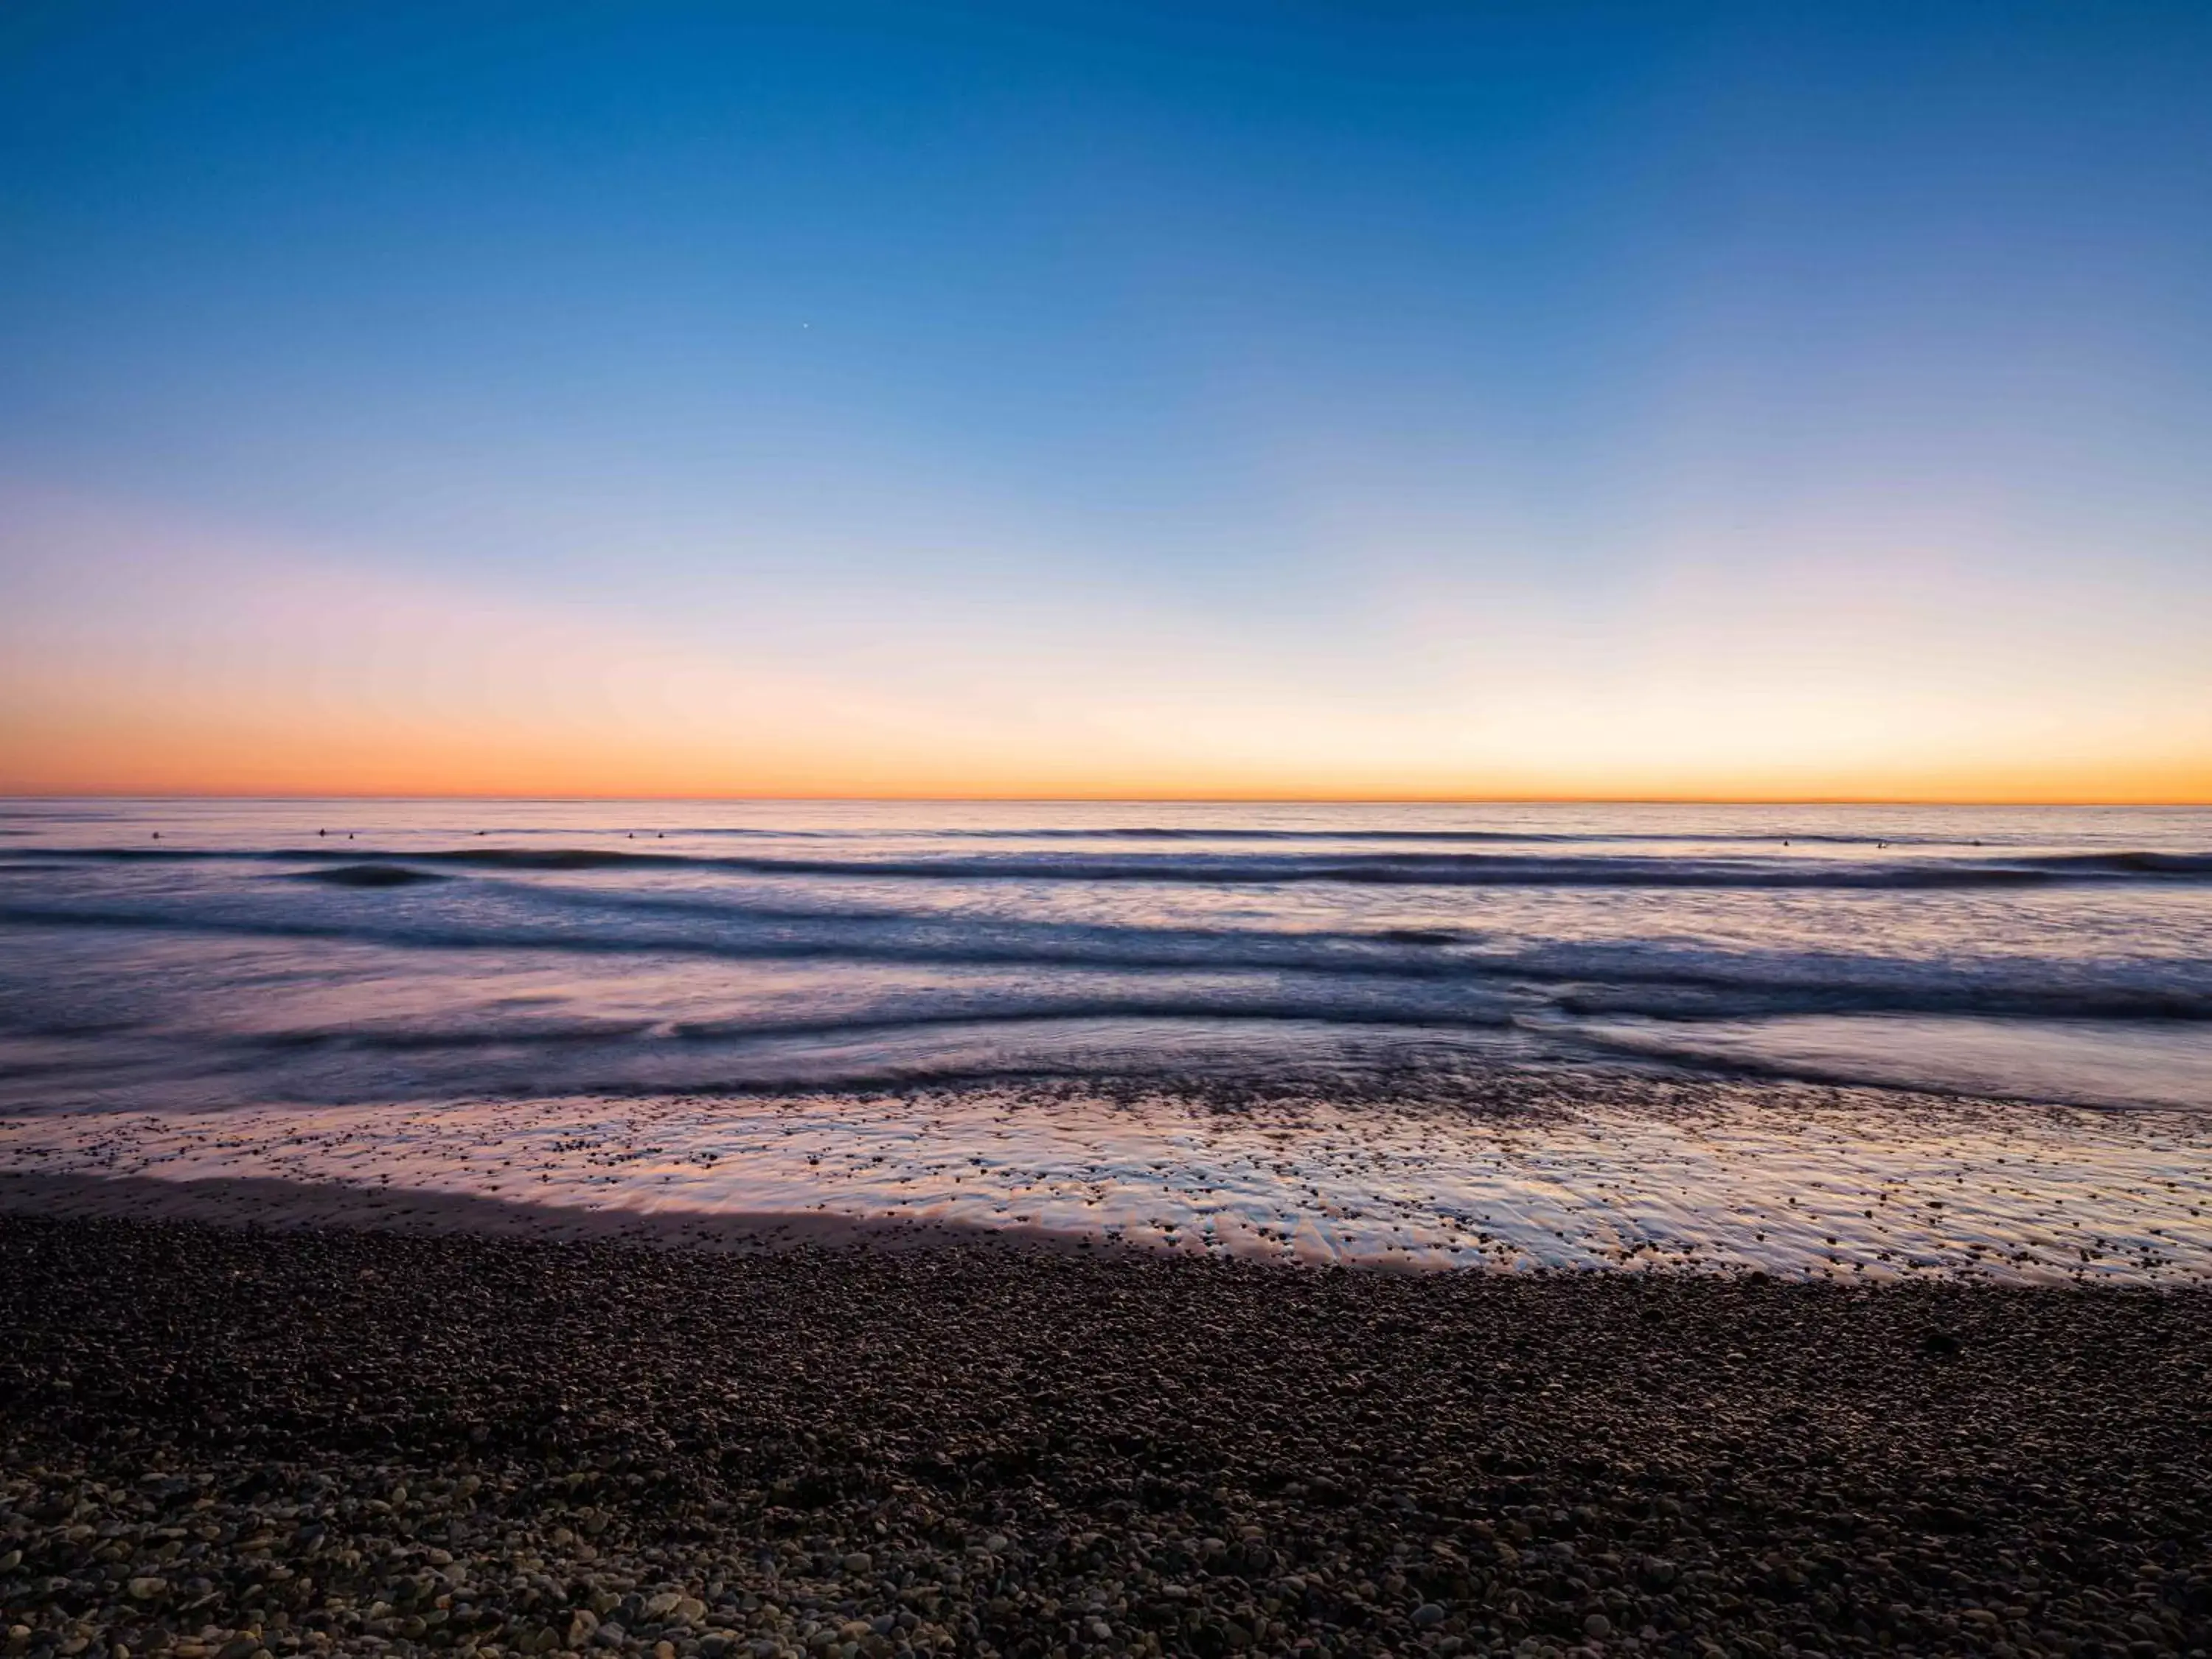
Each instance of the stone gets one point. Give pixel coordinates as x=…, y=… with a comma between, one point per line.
x=1062, y=1470
x=148, y=1589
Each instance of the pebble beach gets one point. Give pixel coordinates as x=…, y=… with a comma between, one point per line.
x=229, y=1442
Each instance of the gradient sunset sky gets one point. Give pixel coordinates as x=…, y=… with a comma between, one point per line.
x=1508, y=400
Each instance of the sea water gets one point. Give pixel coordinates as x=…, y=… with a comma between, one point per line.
x=705, y=966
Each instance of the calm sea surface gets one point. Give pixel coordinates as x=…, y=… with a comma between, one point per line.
x=218, y=952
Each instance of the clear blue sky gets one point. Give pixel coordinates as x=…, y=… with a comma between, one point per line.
x=1388, y=399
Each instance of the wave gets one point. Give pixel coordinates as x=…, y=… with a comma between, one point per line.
x=1570, y=980
x=1186, y=834
x=1692, y=999
x=367, y=875
x=1037, y=1012
x=1262, y=1050
x=2130, y=864
x=1383, y=869
x=1356, y=956
x=1525, y=837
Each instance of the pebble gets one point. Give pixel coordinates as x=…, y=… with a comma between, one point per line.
x=465, y=1444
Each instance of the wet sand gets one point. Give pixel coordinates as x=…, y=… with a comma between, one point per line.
x=1511, y=1168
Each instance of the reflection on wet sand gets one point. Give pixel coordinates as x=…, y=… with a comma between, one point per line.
x=1581, y=1171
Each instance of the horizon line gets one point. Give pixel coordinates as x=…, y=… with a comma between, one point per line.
x=1102, y=799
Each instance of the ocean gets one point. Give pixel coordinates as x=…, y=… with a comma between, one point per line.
x=372, y=961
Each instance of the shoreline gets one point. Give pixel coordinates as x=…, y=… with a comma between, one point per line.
x=264, y=1204
x=218, y=1442
x=1511, y=1170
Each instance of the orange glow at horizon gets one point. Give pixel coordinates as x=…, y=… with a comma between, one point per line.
x=210, y=665
x=248, y=758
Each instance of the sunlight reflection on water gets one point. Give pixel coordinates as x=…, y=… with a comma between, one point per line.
x=1792, y=1180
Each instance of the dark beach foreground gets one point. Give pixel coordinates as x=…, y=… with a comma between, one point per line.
x=221, y=1443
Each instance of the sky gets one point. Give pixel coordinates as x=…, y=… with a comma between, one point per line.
x=1378, y=400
